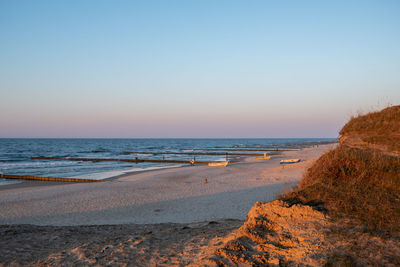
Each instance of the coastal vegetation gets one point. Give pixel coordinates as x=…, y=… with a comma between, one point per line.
x=357, y=185
x=361, y=184
x=376, y=130
x=384, y=122
x=359, y=180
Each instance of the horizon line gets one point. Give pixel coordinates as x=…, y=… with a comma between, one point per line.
x=168, y=137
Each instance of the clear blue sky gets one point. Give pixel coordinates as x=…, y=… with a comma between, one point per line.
x=194, y=68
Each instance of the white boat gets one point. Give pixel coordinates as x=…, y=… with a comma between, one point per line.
x=218, y=164
x=288, y=161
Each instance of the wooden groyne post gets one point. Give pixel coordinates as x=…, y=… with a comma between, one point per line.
x=48, y=179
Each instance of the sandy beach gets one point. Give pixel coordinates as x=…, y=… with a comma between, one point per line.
x=176, y=195
x=166, y=217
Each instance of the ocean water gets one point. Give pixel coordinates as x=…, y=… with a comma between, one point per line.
x=15, y=154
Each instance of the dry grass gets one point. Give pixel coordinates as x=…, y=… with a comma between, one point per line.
x=359, y=187
x=359, y=183
x=354, y=183
x=389, y=142
x=382, y=122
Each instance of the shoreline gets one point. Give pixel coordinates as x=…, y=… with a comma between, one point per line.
x=28, y=183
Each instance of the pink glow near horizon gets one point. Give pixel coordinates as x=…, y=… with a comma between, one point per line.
x=170, y=124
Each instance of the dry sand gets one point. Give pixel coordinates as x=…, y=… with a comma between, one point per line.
x=111, y=245
x=195, y=216
x=276, y=234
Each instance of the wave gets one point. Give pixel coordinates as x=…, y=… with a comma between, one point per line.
x=144, y=155
x=39, y=164
x=99, y=151
x=8, y=181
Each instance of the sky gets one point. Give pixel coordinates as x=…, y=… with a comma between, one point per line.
x=194, y=69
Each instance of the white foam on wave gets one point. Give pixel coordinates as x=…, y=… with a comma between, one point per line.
x=114, y=173
x=221, y=159
x=7, y=182
x=36, y=164
x=143, y=155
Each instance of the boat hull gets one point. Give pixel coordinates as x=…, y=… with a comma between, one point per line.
x=218, y=164
x=266, y=158
x=290, y=161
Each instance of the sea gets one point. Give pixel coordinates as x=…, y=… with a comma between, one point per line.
x=16, y=154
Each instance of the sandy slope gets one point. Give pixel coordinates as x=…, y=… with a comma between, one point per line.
x=276, y=234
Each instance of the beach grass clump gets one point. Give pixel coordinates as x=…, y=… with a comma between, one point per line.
x=355, y=183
